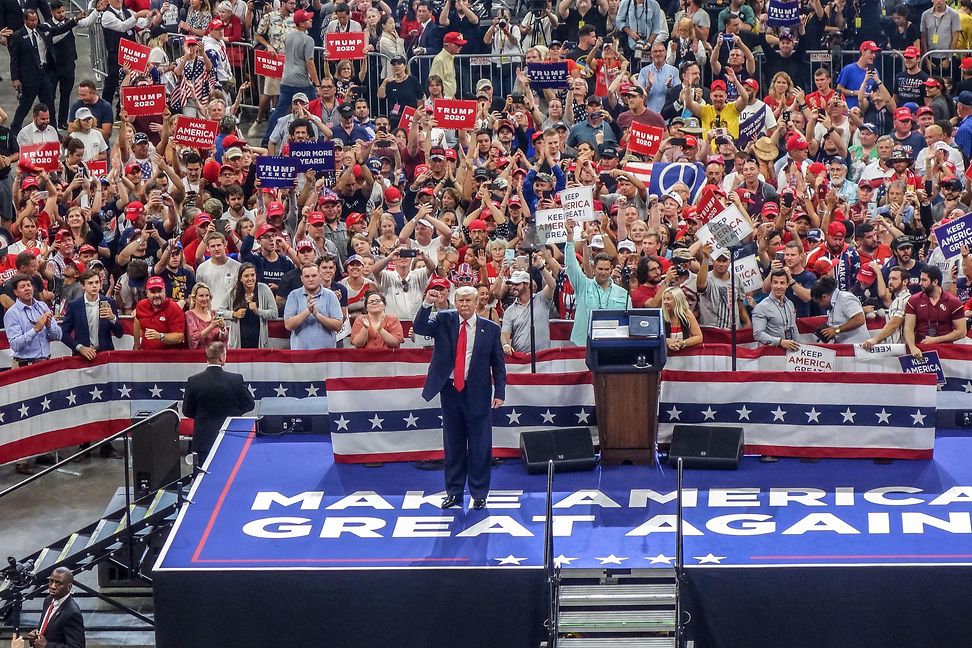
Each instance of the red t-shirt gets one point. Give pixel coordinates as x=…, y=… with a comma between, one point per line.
x=934, y=319
x=168, y=319
x=643, y=293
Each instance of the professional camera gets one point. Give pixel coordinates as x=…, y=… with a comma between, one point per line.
x=537, y=7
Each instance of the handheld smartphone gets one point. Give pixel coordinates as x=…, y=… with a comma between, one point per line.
x=42, y=195
x=407, y=253
x=678, y=141
x=779, y=256
x=521, y=262
x=509, y=255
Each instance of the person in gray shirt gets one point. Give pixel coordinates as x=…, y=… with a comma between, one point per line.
x=774, y=318
x=845, y=321
x=299, y=70
x=515, y=334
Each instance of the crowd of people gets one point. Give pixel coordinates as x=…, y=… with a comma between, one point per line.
x=849, y=171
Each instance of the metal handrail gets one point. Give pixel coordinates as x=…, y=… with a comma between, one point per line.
x=548, y=560
x=679, y=560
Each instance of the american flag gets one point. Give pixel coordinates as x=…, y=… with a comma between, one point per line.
x=807, y=414
x=386, y=419
x=660, y=177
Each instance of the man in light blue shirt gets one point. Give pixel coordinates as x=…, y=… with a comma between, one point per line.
x=30, y=324
x=657, y=77
x=598, y=293
x=312, y=314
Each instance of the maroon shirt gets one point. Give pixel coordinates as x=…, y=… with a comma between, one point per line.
x=934, y=319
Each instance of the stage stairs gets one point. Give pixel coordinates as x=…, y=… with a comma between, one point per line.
x=617, y=608
x=102, y=545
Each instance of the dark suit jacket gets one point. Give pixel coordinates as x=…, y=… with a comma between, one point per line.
x=65, y=50
x=23, y=63
x=74, y=328
x=486, y=374
x=66, y=627
x=431, y=39
x=12, y=16
x=211, y=396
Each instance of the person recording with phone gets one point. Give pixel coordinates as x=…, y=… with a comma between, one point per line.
x=91, y=320
x=203, y=325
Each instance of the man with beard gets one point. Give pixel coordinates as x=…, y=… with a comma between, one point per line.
x=845, y=315
x=800, y=280
x=844, y=258
x=932, y=316
x=903, y=247
x=774, y=318
x=159, y=322
x=869, y=247
x=895, y=296
x=515, y=334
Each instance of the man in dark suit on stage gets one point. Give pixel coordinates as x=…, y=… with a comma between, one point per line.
x=211, y=396
x=31, y=67
x=61, y=623
x=468, y=373
x=91, y=320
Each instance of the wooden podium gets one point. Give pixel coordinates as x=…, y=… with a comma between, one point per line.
x=626, y=351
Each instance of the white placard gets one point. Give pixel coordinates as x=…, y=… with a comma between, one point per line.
x=811, y=358
x=578, y=204
x=550, y=226
x=748, y=276
x=729, y=227
x=879, y=351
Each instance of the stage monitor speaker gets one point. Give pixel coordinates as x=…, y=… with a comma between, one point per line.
x=706, y=446
x=155, y=450
x=570, y=449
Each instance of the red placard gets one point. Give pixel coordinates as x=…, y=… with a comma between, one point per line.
x=143, y=100
x=132, y=55
x=643, y=139
x=405, y=121
x=197, y=133
x=709, y=203
x=42, y=156
x=268, y=65
x=348, y=45
x=97, y=168
x=454, y=113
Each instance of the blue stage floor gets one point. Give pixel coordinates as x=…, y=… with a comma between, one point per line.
x=835, y=512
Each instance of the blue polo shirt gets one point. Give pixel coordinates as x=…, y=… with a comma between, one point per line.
x=963, y=138
x=312, y=334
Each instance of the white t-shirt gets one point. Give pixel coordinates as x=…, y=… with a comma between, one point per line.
x=94, y=143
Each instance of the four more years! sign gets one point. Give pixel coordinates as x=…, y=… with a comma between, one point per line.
x=143, y=100
x=454, y=113
x=133, y=55
x=318, y=156
x=954, y=234
x=195, y=133
x=811, y=358
x=345, y=45
x=42, y=156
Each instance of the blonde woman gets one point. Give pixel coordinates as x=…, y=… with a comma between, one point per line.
x=681, y=328
x=202, y=324
x=781, y=95
x=684, y=45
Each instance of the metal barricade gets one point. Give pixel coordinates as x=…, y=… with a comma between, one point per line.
x=470, y=68
x=240, y=56
x=889, y=64
x=96, y=49
x=931, y=62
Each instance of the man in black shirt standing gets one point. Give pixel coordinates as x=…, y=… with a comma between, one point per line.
x=909, y=85
x=400, y=91
x=583, y=14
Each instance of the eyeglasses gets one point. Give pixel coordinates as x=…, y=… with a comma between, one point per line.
x=374, y=301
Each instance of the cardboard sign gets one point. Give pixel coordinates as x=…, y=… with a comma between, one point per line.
x=133, y=55
x=783, y=13
x=196, y=133
x=277, y=171
x=548, y=75
x=318, y=156
x=729, y=227
x=809, y=358
x=644, y=140
x=345, y=45
x=748, y=276
x=709, y=206
x=405, y=121
x=929, y=364
x=97, y=168
x=578, y=204
x=267, y=64
x=953, y=235
x=751, y=128
x=454, y=113
x=879, y=351
x=143, y=100
x=42, y=156
x=551, y=226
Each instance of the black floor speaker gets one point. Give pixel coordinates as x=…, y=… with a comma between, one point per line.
x=155, y=450
x=706, y=446
x=569, y=448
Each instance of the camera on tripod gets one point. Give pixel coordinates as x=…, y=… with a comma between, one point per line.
x=537, y=7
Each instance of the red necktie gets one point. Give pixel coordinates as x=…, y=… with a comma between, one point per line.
x=460, y=373
x=47, y=618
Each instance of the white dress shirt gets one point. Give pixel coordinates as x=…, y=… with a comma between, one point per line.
x=92, y=311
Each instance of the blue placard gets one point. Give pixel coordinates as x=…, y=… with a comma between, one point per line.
x=548, y=75
x=318, y=156
x=751, y=127
x=277, y=171
x=929, y=364
x=953, y=235
x=782, y=13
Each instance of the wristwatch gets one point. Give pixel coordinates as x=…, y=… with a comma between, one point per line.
x=836, y=331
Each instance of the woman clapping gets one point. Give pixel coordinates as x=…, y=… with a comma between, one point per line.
x=375, y=329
